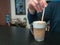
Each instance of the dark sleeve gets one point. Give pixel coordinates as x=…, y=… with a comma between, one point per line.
x=49, y=11
x=32, y=17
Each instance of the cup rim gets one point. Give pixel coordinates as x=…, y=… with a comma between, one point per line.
x=43, y=22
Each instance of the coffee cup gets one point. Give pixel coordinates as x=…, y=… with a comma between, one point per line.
x=39, y=28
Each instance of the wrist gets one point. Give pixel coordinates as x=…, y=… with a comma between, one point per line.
x=31, y=11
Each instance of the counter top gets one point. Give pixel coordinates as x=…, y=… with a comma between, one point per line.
x=21, y=36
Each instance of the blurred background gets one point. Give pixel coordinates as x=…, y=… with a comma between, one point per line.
x=14, y=12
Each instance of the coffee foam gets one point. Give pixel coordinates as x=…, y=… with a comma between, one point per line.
x=39, y=24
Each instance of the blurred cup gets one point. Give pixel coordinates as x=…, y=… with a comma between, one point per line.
x=39, y=28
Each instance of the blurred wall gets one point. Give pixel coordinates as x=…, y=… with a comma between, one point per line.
x=4, y=9
x=13, y=14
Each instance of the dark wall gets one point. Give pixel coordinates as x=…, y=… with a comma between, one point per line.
x=4, y=9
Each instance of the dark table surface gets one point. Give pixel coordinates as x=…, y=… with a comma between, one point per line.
x=21, y=36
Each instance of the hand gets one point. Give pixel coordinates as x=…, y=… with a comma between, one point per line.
x=37, y=5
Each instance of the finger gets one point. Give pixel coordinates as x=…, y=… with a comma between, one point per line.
x=44, y=3
x=41, y=4
x=37, y=7
x=41, y=9
x=31, y=4
x=31, y=7
x=34, y=4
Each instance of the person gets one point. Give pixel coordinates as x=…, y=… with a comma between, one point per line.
x=52, y=13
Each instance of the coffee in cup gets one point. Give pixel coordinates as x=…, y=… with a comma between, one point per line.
x=39, y=28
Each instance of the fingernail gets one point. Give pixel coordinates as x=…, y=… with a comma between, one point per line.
x=45, y=5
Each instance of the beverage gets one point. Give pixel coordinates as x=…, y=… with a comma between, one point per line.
x=39, y=28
